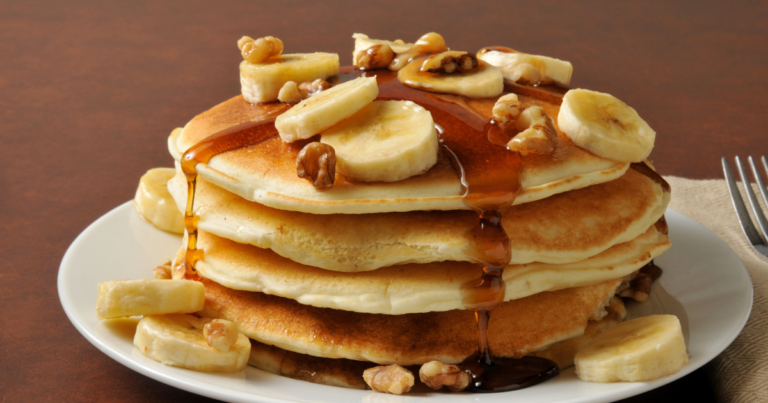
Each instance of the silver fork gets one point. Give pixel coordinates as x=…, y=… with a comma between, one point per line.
x=760, y=244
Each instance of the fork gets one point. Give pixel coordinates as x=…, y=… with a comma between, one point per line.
x=747, y=225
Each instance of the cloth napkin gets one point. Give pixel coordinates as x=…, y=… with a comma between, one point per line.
x=740, y=373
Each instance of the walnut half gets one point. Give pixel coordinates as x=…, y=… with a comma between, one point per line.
x=450, y=62
x=375, y=57
x=164, y=271
x=537, y=133
x=316, y=162
x=392, y=379
x=220, y=334
x=435, y=374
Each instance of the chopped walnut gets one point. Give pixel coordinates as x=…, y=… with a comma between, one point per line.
x=221, y=334
x=537, y=133
x=525, y=74
x=506, y=110
x=392, y=379
x=292, y=93
x=435, y=374
x=163, y=272
x=450, y=62
x=375, y=57
x=317, y=162
x=259, y=50
x=639, y=285
x=313, y=87
x=428, y=43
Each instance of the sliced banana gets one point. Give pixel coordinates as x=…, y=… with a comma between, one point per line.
x=553, y=71
x=641, y=349
x=481, y=82
x=386, y=141
x=178, y=340
x=363, y=42
x=603, y=125
x=326, y=108
x=155, y=204
x=262, y=82
x=121, y=298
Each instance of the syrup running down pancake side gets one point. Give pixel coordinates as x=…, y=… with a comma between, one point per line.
x=490, y=177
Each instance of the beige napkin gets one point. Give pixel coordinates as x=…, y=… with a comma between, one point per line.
x=740, y=373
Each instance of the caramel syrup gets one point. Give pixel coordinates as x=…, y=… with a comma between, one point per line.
x=490, y=178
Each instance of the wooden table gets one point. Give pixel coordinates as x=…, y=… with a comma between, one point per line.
x=89, y=91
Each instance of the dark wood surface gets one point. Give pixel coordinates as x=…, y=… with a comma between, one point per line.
x=89, y=92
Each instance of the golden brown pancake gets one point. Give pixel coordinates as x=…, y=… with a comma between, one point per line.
x=349, y=373
x=564, y=228
x=516, y=328
x=267, y=173
x=409, y=288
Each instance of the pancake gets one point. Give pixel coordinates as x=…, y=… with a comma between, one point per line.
x=266, y=173
x=349, y=374
x=409, y=288
x=516, y=328
x=564, y=228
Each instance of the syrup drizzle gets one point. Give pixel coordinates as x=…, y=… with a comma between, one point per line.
x=233, y=138
x=490, y=178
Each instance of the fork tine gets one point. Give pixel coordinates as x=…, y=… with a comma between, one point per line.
x=752, y=199
x=759, y=178
x=738, y=204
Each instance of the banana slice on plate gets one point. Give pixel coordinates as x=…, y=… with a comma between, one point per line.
x=386, y=141
x=261, y=82
x=179, y=340
x=605, y=126
x=154, y=202
x=122, y=298
x=641, y=349
x=553, y=71
x=481, y=82
x=326, y=108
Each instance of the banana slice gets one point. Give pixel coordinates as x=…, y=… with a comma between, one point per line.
x=178, y=340
x=641, y=349
x=121, y=298
x=507, y=60
x=262, y=82
x=603, y=125
x=386, y=141
x=326, y=108
x=155, y=204
x=482, y=82
x=363, y=42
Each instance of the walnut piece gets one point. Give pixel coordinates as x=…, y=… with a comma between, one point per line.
x=640, y=286
x=375, y=57
x=259, y=50
x=525, y=74
x=450, y=62
x=435, y=374
x=537, y=133
x=163, y=272
x=506, y=110
x=292, y=93
x=221, y=334
x=317, y=163
x=428, y=43
x=392, y=379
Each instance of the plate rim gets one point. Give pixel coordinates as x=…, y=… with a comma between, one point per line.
x=223, y=393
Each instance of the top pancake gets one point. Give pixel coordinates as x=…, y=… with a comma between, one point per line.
x=266, y=173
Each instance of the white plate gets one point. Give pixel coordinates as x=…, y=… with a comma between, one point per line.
x=704, y=284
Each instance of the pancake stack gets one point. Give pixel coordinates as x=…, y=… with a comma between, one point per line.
x=327, y=283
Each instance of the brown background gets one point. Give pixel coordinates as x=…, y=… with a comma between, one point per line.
x=90, y=90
